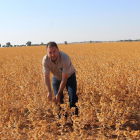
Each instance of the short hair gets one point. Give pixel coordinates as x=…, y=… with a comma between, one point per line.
x=51, y=44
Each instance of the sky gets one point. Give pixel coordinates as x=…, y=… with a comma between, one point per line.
x=68, y=20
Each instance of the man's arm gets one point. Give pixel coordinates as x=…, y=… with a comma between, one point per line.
x=62, y=86
x=48, y=85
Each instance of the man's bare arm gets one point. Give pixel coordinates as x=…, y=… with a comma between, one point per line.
x=48, y=85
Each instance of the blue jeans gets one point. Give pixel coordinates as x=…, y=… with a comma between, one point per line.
x=71, y=87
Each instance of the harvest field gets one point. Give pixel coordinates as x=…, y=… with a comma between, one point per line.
x=108, y=77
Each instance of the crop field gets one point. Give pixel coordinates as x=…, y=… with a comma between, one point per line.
x=108, y=88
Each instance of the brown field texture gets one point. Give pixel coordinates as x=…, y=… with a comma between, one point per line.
x=108, y=77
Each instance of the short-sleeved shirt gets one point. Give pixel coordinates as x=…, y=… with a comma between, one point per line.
x=63, y=64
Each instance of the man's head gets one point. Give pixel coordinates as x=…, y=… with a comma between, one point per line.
x=52, y=50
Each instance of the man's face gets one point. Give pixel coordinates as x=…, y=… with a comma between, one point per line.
x=53, y=53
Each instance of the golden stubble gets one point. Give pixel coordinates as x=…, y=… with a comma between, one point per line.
x=108, y=88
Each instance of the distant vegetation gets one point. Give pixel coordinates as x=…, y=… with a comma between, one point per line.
x=65, y=42
x=29, y=43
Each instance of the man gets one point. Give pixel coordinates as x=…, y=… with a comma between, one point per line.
x=60, y=65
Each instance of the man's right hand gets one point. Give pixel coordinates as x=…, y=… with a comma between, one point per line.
x=49, y=96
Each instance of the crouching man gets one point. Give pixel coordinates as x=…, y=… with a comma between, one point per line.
x=60, y=65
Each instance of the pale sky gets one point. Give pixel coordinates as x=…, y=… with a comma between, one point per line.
x=68, y=20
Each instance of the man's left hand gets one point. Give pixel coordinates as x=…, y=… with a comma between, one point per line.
x=57, y=98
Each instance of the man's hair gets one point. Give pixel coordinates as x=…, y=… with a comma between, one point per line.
x=51, y=44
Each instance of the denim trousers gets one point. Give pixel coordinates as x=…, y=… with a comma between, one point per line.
x=71, y=87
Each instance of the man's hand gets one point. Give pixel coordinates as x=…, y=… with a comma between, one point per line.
x=57, y=98
x=61, y=87
x=49, y=96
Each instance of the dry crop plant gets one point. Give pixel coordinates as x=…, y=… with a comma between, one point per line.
x=108, y=77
